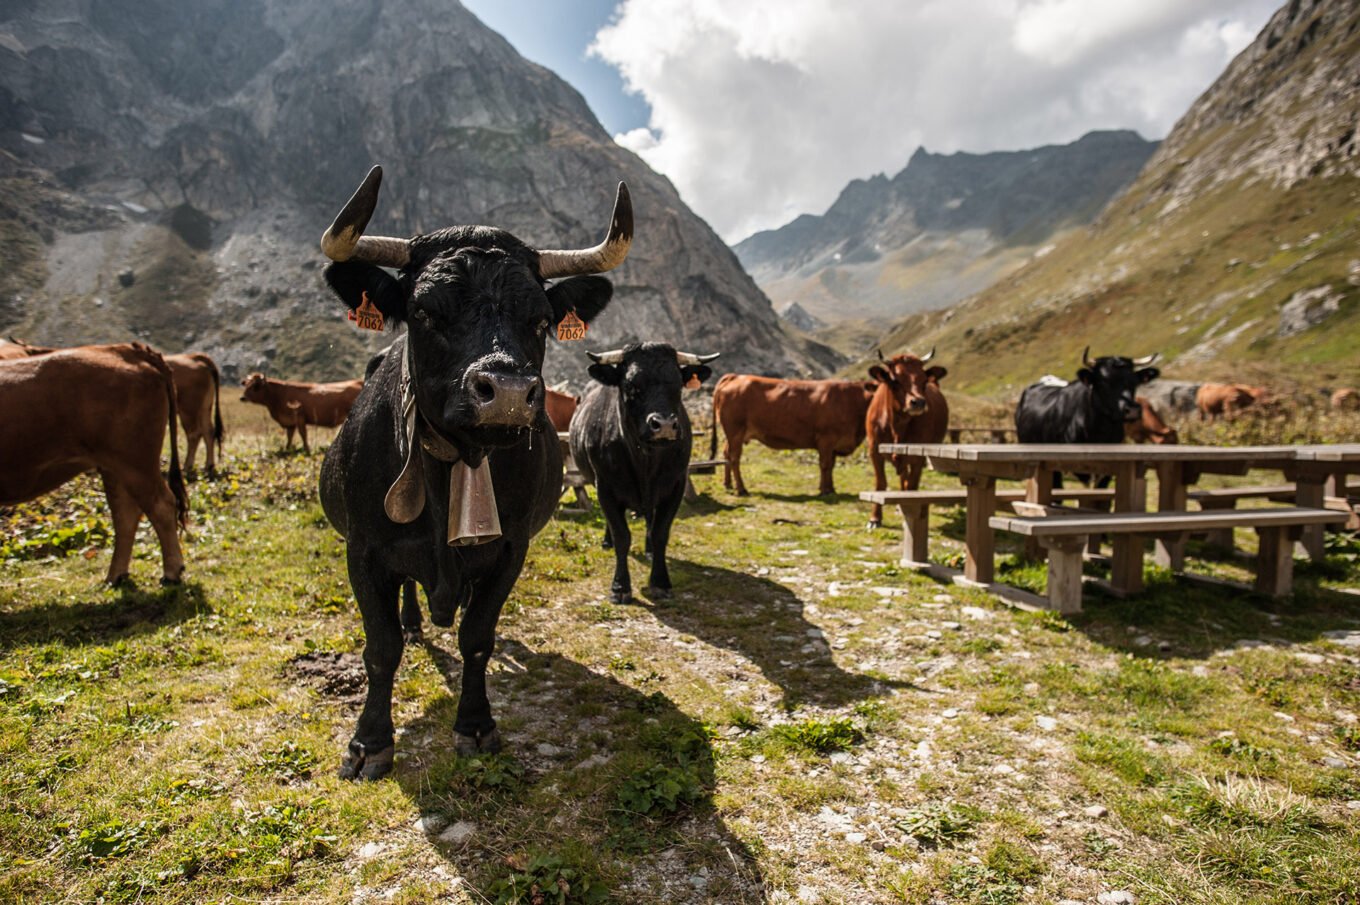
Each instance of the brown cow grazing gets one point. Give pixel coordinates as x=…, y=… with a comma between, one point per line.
x=1150, y=428
x=825, y=415
x=560, y=406
x=102, y=408
x=1346, y=400
x=1226, y=399
x=294, y=404
x=12, y=348
x=198, y=387
x=907, y=407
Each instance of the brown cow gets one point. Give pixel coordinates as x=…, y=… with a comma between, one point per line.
x=1150, y=428
x=825, y=415
x=12, y=348
x=294, y=404
x=1346, y=400
x=560, y=406
x=198, y=387
x=1226, y=399
x=102, y=408
x=907, y=407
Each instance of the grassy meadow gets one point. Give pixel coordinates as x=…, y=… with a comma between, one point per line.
x=802, y=722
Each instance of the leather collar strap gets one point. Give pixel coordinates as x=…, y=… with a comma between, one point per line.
x=473, y=518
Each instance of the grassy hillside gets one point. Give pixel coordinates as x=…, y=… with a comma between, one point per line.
x=802, y=722
x=1204, y=288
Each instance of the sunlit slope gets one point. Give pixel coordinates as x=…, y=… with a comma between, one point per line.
x=1237, y=249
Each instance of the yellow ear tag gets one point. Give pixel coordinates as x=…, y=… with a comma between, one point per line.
x=571, y=328
x=367, y=317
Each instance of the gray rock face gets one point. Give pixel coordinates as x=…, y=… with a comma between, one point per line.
x=209, y=142
x=1015, y=196
x=1308, y=308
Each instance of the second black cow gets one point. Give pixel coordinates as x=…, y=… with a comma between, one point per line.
x=632, y=437
x=1093, y=409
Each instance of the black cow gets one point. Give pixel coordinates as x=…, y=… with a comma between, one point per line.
x=448, y=465
x=1093, y=409
x=632, y=437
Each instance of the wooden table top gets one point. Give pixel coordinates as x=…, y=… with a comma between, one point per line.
x=1058, y=453
x=1329, y=452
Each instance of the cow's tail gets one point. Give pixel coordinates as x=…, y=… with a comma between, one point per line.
x=713, y=438
x=153, y=358
x=217, y=403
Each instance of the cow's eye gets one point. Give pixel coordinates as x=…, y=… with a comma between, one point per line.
x=543, y=326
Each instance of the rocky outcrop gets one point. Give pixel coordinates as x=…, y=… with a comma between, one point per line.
x=207, y=143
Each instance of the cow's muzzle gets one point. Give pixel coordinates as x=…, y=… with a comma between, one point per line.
x=662, y=427
x=915, y=407
x=501, y=399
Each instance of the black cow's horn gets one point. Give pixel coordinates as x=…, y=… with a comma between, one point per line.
x=607, y=358
x=1145, y=361
x=880, y=354
x=345, y=240
x=605, y=256
x=1086, y=357
x=930, y=356
x=689, y=359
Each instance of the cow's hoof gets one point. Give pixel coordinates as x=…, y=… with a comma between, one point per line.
x=658, y=593
x=360, y=766
x=743, y=492
x=607, y=543
x=484, y=743
x=168, y=582
x=122, y=582
x=873, y=525
x=620, y=597
x=413, y=635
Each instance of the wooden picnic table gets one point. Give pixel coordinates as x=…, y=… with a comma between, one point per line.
x=1319, y=472
x=978, y=467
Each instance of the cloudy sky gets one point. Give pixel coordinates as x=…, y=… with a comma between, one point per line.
x=761, y=110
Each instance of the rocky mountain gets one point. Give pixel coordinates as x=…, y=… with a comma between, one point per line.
x=944, y=227
x=169, y=165
x=1235, y=251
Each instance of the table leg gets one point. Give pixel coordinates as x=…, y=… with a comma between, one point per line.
x=1126, y=559
x=1171, y=497
x=1038, y=489
x=979, y=541
x=1310, y=492
x=1274, y=562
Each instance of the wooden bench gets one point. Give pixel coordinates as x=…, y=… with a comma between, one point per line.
x=1218, y=499
x=1065, y=538
x=915, y=508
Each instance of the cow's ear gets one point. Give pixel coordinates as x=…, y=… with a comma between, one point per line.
x=587, y=296
x=937, y=373
x=609, y=375
x=880, y=374
x=695, y=372
x=1086, y=376
x=1148, y=374
x=351, y=279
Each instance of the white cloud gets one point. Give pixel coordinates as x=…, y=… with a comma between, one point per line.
x=765, y=109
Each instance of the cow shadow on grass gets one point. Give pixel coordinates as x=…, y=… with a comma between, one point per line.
x=99, y=617
x=763, y=621
x=583, y=754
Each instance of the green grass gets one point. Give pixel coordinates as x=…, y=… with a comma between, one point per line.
x=802, y=719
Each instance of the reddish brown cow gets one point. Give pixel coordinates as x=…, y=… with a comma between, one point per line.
x=198, y=387
x=907, y=407
x=1346, y=400
x=12, y=348
x=294, y=404
x=103, y=408
x=1226, y=399
x=825, y=415
x=1150, y=428
x=560, y=406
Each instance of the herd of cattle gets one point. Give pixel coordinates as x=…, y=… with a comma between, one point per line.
x=447, y=462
